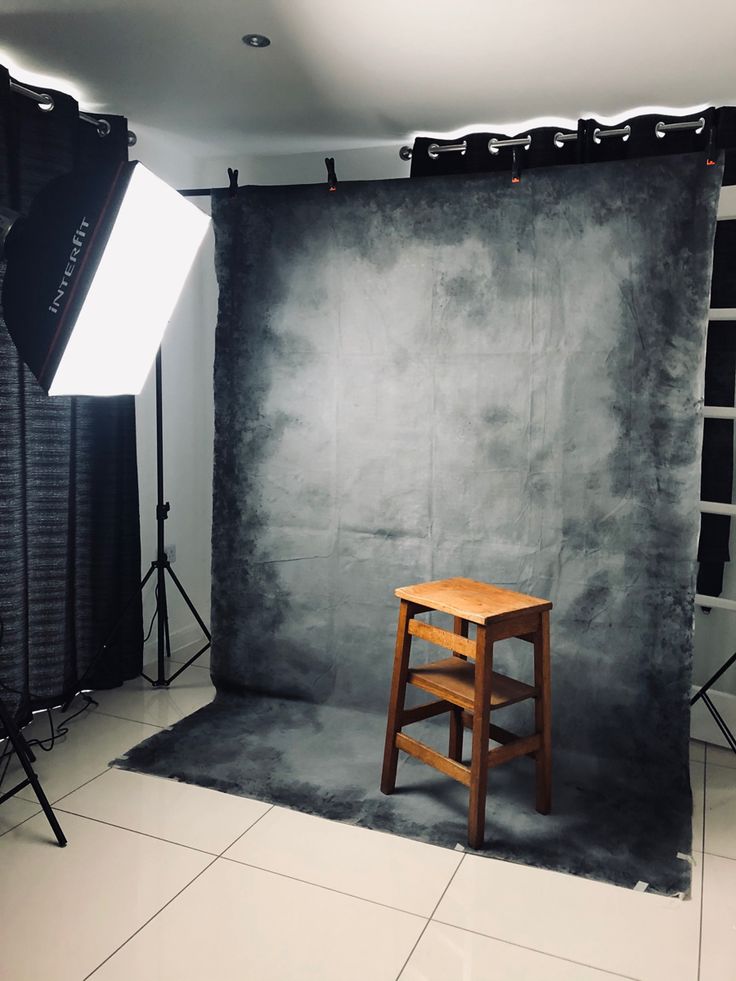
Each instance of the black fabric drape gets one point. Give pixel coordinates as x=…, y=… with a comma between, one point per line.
x=718, y=133
x=69, y=523
x=717, y=136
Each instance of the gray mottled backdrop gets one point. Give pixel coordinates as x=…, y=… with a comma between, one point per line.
x=460, y=376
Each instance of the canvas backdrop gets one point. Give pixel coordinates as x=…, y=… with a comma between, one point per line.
x=461, y=376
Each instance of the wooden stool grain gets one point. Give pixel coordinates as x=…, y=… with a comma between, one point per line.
x=466, y=686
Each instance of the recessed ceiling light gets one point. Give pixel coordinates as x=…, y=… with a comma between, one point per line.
x=256, y=40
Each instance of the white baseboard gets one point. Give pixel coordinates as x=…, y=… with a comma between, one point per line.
x=703, y=725
x=184, y=641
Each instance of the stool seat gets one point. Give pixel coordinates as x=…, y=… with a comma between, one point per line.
x=467, y=688
x=477, y=602
x=454, y=679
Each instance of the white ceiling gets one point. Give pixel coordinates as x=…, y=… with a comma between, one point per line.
x=342, y=73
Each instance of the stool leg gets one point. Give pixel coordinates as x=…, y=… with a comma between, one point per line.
x=455, y=752
x=543, y=714
x=460, y=626
x=396, y=699
x=481, y=721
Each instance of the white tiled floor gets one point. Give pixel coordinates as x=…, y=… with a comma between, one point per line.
x=166, y=882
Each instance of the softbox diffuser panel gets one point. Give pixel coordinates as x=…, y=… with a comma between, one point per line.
x=93, y=276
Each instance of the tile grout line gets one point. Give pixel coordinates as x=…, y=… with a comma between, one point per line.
x=135, y=831
x=140, y=722
x=424, y=928
x=724, y=766
x=535, y=950
x=319, y=885
x=13, y=828
x=249, y=828
x=175, y=896
x=147, y=834
x=97, y=776
x=66, y=793
x=725, y=858
x=151, y=918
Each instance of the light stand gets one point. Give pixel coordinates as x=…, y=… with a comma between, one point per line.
x=27, y=759
x=161, y=566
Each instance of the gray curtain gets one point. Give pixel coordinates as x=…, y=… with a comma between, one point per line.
x=422, y=379
x=69, y=525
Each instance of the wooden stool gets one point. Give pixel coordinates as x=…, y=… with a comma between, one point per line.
x=469, y=692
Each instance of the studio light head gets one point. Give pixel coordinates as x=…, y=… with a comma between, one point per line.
x=93, y=274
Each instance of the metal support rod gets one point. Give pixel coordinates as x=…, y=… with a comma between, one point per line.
x=45, y=102
x=718, y=602
x=719, y=412
x=42, y=99
x=661, y=129
x=604, y=134
x=436, y=148
x=495, y=145
x=716, y=507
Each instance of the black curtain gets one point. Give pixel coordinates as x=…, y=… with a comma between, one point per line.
x=717, y=135
x=69, y=523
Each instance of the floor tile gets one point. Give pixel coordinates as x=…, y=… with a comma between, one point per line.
x=239, y=922
x=631, y=933
x=697, y=783
x=720, y=814
x=408, y=875
x=718, y=956
x=15, y=810
x=720, y=756
x=92, y=741
x=139, y=701
x=697, y=751
x=178, y=812
x=446, y=952
x=70, y=907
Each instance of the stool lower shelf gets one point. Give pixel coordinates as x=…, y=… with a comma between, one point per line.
x=454, y=679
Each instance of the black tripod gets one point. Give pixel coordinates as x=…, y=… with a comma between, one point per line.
x=161, y=566
x=27, y=759
x=703, y=694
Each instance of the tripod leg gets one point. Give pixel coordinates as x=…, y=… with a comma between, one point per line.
x=23, y=753
x=192, y=608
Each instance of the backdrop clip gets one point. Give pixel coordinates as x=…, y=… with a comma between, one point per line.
x=331, y=175
x=711, y=151
x=233, y=175
x=515, y=169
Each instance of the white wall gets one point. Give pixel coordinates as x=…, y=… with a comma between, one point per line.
x=188, y=357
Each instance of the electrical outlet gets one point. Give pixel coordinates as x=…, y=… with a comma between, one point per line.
x=170, y=552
